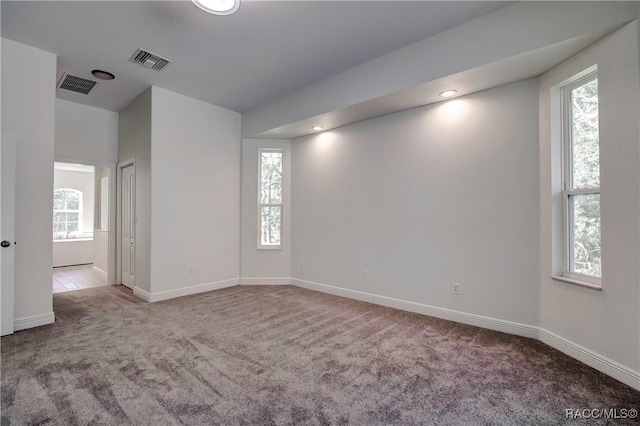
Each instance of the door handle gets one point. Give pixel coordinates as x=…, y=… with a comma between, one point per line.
x=5, y=244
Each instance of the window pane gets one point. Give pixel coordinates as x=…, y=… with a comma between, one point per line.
x=58, y=204
x=271, y=178
x=73, y=204
x=270, y=225
x=584, y=136
x=73, y=217
x=59, y=227
x=72, y=226
x=586, y=234
x=271, y=166
x=59, y=217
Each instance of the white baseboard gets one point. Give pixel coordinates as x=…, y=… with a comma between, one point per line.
x=184, y=291
x=34, y=321
x=142, y=294
x=266, y=281
x=100, y=271
x=419, y=308
x=601, y=363
x=592, y=359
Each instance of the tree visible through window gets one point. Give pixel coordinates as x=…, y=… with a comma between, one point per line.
x=270, y=199
x=582, y=178
x=67, y=212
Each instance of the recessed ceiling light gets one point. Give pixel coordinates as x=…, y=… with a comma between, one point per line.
x=448, y=93
x=316, y=128
x=218, y=7
x=103, y=75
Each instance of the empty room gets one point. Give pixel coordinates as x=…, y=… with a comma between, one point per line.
x=320, y=212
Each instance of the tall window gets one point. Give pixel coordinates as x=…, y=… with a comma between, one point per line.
x=270, y=199
x=581, y=175
x=67, y=212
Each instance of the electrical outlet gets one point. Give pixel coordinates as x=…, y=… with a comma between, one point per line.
x=365, y=275
x=456, y=288
x=189, y=270
x=302, y=266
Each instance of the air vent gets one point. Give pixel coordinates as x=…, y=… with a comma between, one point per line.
x=149, y=60
x=75, y=84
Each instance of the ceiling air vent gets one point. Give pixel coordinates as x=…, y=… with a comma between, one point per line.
x=149, y=60
x=75, y=84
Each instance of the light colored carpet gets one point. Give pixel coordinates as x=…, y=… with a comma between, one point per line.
x=282, y=355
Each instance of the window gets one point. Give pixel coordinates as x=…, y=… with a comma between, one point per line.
x=270, y=199
x=67, y=213
x=581, y=180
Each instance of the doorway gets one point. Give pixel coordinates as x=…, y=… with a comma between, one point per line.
x=80, y=226
x=127, y=221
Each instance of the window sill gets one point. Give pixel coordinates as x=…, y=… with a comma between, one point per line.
x=269, y=247
x=70, y=240
x=577, y=282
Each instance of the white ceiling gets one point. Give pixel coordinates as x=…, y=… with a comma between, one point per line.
x=265, y=51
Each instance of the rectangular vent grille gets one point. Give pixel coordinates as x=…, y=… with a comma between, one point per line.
x=149, y=60
x=76, y=84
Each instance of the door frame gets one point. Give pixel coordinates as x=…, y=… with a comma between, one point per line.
x=7, y=277
x=111, y=273
x=121, y=165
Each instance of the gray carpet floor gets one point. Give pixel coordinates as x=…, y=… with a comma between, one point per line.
x=283, y=355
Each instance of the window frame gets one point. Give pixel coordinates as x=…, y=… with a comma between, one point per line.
x=271, y=205
x=568, y=191
x=67, y=211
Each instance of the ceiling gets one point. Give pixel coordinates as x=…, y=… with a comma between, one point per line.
x=266, y=50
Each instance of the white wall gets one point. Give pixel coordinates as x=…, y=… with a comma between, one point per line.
x=89, y=135
x=424, y=198
x=100, y=250
x=86, y=133
x=195, y=195
x=80, y=181
x=28, y=108
x=608, y=321
x=134, y=141
x=72, y=252
x=263, y=266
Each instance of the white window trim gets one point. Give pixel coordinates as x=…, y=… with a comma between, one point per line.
x=567, y=275
x=79, y=211
x=261, y=205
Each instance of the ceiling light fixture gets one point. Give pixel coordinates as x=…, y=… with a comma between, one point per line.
x=448, y=93
x=317, y=128
x=218, y=7
x=103, y=75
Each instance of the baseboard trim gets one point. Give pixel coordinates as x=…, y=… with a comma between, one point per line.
x=601, y=363
x=266, y=281
x=419, y=308
x=593, y=359
x=142, y=294
x=100, y=271
x=184, y=291
x=34, y=321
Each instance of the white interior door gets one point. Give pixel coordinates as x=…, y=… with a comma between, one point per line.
x=7, y=227
x=127, y=214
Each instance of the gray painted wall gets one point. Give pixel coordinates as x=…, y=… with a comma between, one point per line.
x=607, y=321
x=28, y=98
x=424, y=198
x=264, y=266
x=134, y=141
x=195, y=156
